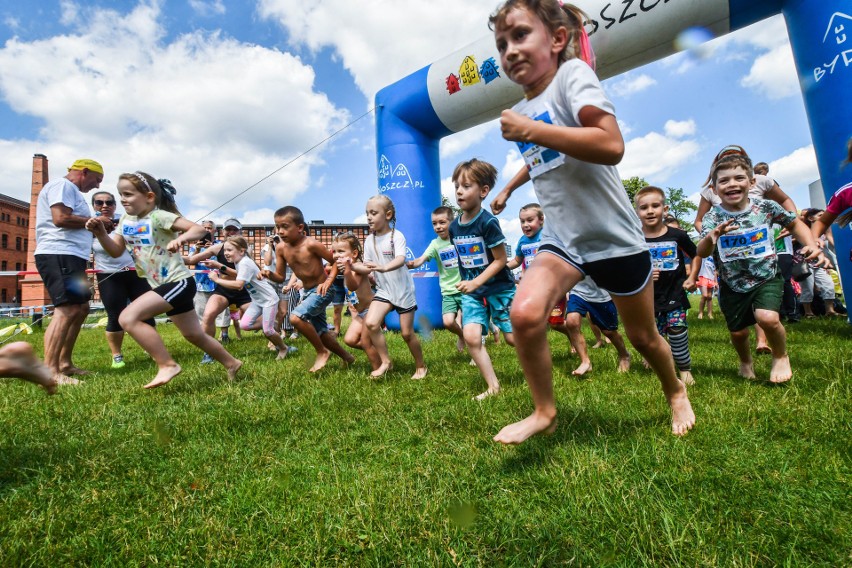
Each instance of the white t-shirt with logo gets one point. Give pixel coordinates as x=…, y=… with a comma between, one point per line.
x=51, y=239
x=396, y=286
x=261, y=291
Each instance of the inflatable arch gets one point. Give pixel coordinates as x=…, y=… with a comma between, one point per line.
x=468, y=88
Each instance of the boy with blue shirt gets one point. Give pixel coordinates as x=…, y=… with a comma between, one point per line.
x=442, y=251
x=486, y=282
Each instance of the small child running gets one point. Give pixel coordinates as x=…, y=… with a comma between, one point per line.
x=442, y=251
x=487, y=284
x=304, y=255
x=346, y=249
x=668, y=246
x=384, y=256
x=738, y=232
x=587, y=300
x=263, y=309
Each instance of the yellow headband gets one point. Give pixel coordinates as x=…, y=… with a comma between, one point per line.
x=86, y=164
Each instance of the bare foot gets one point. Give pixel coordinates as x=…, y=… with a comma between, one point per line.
x=472, y=363
x=483, y=395
x=232, y=371
x=700, y=316
x=747, y=370
x=419, y=373
x=349, y=359
x=383, y=368
x=582, y=369
x=164, y=375
x=781, y=371
x=72, y=371
x=460, y=345
x=687, y=378
x=61, y=379
x=320, y=361
x=598, y=345
x=763, y=349
x=573, y=351
x=710, y=316
x=683, y=418
x=530, y=426
x=623, y=364
x=645, y=363
x=20, y=361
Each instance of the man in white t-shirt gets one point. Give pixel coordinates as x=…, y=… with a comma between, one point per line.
x=63, y=247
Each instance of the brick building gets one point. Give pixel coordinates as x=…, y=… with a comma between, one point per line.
x=14, y=241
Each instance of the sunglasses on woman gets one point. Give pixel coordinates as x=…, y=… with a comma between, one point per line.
x=99, y=203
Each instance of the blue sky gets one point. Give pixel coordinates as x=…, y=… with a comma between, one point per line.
x=217, y=94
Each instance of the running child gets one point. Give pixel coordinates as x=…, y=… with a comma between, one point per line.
x=442, y=251
x=384, y=256
x=487, y=284
x=738, y=232
x=567, y=132
x=707, y=284
x=263, y=309
x=154, y=232
x=587, y=300
x=304, y=255
x=668, y=247
x=346, y=249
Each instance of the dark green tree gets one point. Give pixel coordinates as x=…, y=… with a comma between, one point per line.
x=680, y=207
x=632, y=185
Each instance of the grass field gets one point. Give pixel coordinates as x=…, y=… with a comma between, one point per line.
x=282, y=468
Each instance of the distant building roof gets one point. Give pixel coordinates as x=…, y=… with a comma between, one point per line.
x=13, y=201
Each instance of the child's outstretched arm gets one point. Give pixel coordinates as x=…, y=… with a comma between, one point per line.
x=498, y=204
x=810, y=249
x=397, y=262
x=229, y=284
x=189, y=232
x=322, y=251
x=514, y=262
x=599, y=141
x=416, y=263
x=694, y=267
x=113, y=246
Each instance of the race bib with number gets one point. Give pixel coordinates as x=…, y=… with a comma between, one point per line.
x=472, y=252
x=138, y=233
x=663, y=255
x=448, y=257
x=751, y=243
x=529, y=251
x=538, y=158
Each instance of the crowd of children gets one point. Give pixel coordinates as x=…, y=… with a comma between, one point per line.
x=586, y=250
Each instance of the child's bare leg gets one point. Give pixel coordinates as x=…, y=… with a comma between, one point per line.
x=18, y=360
x=547, y=281
x=573, y=322
x=369, y=348
x=760, y=340
x=740, y=341
x=618, y=342
x=637, y=313
x=509, y=337
x=307, y=331
x=770, y=321
x=374, y=320
x=329, y=340
x=451, y=325
x=406, y=327
x=473, y=340
x=600, y=341
x=132, y=320
x=189, y=327
x=352, y=337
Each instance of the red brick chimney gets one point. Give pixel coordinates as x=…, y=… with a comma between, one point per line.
x=33, y=292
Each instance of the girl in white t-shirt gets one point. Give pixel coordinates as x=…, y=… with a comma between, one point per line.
x=567, y=132
x=154, y=231
x=346, y=249
x=263, y=309
x=384, y=256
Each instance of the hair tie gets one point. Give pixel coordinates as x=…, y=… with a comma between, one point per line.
x=169, y=190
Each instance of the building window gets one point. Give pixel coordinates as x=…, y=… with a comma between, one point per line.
x=17, y=243
x=26, y=244
x=18, y=266
x=3, y=265
x=4, y=241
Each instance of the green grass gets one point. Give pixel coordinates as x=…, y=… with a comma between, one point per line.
x=282, y=468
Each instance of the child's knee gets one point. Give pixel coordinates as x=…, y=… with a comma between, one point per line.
x=767, y=318
x=740, y=335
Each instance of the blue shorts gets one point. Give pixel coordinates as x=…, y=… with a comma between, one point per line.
x=494, y=308
x=603, y=314
x=337, y=291
x=312, y=309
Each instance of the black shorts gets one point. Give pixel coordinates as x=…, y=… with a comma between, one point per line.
x=396, y=308
x=620, y=276
x=64, y=277
x=180, y=296
x=237, y=297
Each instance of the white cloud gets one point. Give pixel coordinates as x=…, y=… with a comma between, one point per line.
x=458, y=143
x=12, y=23
x=656, y=157
x=679, y=128
x=773, y=74
x=69, y=11
x=631, y=85
x=795, y=169
x=382, y=42
x=203, y=110
x=511, y=227
x=207, y=9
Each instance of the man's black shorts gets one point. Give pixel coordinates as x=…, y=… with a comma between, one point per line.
x=64, y=277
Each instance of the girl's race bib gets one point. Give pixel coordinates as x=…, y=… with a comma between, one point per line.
x=138, y=233
x=538, y=158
